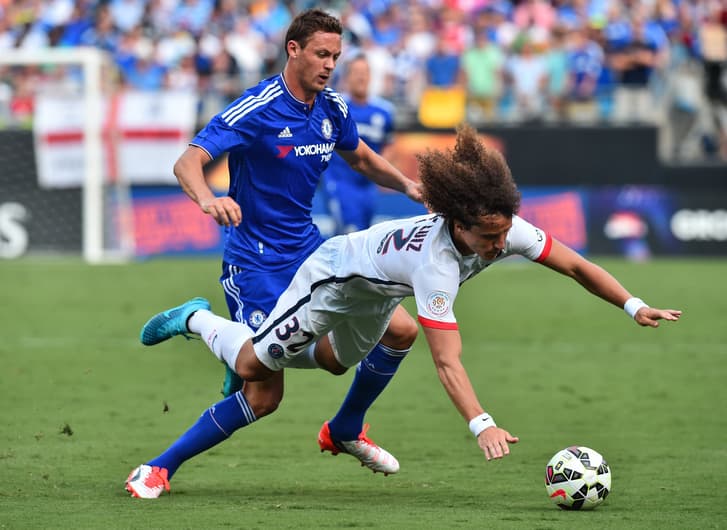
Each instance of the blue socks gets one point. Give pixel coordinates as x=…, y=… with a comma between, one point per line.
x=219, y=421
x=372, y=376
x=216, y=424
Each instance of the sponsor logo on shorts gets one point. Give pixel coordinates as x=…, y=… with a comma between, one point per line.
x=275, y=351
x=256, y=318
x=438, y=303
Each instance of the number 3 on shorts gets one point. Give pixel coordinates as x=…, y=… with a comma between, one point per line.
x=286, y=331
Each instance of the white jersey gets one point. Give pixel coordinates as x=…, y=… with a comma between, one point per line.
x=417, y=257
x=350, y=286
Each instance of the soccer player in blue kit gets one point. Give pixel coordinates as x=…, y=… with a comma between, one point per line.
x=351, y=196
x=280, y=136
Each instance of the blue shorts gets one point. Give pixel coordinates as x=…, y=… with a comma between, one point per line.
x=251, y=294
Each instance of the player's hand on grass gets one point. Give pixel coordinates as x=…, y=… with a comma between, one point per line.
x=494, y=442
x=649, y=316
x=224, y=210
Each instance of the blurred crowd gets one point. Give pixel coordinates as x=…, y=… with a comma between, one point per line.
x=586, y=61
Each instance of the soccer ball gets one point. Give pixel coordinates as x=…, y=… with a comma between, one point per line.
x=577, y=478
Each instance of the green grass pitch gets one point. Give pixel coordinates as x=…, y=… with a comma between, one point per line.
x=82, y=402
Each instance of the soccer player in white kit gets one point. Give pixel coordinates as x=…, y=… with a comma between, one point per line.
x=349, y=288
x=342, y=297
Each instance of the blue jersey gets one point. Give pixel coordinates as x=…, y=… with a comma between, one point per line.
x=278, y=148
x=375, y=122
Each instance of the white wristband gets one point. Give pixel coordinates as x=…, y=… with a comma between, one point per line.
x=480, y=423
x=632, y=305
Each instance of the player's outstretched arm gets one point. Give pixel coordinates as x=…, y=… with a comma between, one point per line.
x=379, y=170
x=601, y=283
x=189, y=172
x=446, y=348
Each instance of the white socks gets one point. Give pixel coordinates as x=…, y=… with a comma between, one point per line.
x=222, y=336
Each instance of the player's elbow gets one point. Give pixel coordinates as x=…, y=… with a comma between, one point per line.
x=180, y=170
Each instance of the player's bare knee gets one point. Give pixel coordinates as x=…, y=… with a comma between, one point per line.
x=408, y=333
x=401, y=333
x=327, y=360
x=267, y=405
x=263, y=403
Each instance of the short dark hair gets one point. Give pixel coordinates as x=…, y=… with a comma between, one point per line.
x=468, y=181
x=308, y=22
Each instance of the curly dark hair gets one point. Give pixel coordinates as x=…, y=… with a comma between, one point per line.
x=308, y=22
x=468, y=181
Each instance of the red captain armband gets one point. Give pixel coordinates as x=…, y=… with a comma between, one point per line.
x=436, y=324
x=546, y=249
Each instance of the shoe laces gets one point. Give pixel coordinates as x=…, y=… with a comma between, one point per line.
x=362, y=435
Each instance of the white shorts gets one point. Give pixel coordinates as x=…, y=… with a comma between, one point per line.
x=316, y=303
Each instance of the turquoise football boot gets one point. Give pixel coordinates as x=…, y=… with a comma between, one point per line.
x=171, y=322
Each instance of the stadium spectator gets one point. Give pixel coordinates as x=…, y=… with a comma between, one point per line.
x=617, y=28
x=183, y=77
x=339, y=302
x=225, y=76
x=171, y=48
x=248, y=46
x=483, y=69
x=527, y=76
x=127, y=49
x=453, y=29
x=386, y=30
x=418, y=43
x=158, y=18
x=538, y=13
x=500, y=22
x=192, y=15
x=633, y=64
x=103, y=33
x=585, y=64
x=351, y=197
x=145, y=72
x=666, y=14
x=556, y=67
x=573, y=13
x=41, y=23
x=443, y=68
x=22, y=101
x=8, y=33
x=225, y=17
x=684, y=90
x=127, y=14
x=271, y=17
x=419, y=39
x=713, y=45
x=382, y=64
x=443, y=102
x=279, y=136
